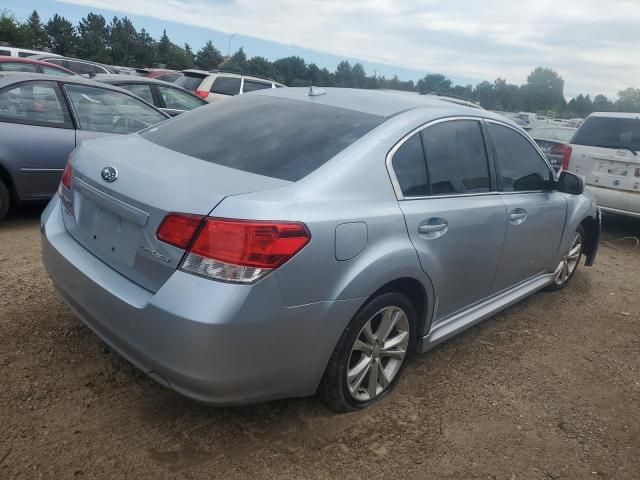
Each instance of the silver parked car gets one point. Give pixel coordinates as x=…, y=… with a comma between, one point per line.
x=288, y=242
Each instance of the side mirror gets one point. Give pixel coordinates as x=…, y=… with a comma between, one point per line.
x=570, y=183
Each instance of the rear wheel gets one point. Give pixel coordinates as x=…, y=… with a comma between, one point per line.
x=569, y=262
x=4, y=200
x=371, y=354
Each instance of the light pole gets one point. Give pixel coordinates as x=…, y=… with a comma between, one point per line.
x=229, y=51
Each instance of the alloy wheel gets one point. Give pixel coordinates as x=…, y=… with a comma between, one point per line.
x=378, y=353
x=569, y=262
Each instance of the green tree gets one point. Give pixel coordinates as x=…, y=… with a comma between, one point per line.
x=93, y=40
x=164, y=49
x=61, y=36
x=602, y=104
x=434, y=83
x=9, y=29
x=123, y=36
x=33, y=33
x=145, y=49
x=290, y=68
x=343, y=74
x=358, y=76
x=486, y=95
x=261, y=66
x=208, y=57
x=629, y=100
x=237, y=62
x=544, y=90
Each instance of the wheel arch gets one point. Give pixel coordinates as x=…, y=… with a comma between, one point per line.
x=7, y=179
x=591, y=228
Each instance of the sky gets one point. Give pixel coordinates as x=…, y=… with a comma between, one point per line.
x=593, y=44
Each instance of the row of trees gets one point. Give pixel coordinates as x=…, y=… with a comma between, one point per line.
x=118, y=42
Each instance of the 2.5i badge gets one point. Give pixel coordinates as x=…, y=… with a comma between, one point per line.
x=154, y=254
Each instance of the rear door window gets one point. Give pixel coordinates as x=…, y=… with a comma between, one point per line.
x=190, y=81
x=102, y=110
x=520, y=166
x=55, y=71
x=251, y=85
x=410, y=169
x=18, y=67
x=177, y=99
x=607, y=132
x=268, y=136
x=139, y=90
x=456, y=158
x=226, y=85
x=35, y=103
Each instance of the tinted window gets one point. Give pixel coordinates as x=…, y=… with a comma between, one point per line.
x=609, y=133
x=55, y=71
x=139, y=90
x=250, y=86
x=18, y=67
x=226, y=85
x=456, y=158
x=558, y=134
x=36, y=103
x=189, y=81
x=5, y=53
x=25, y=54
x=101, y=110
x=520, y=166
x=56, y=61
x=82, y=68
x=410, y=169
x=179, y=100
x=169, y=77
x=275, y=137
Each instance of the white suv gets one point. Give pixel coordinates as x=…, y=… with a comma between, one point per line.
x=605, y=152
x=218, y=84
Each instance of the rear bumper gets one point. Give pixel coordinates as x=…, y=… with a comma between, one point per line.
x=215, y=342
x=617, y=201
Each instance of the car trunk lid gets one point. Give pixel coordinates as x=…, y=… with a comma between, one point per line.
x=617, y=169
x=117, y=220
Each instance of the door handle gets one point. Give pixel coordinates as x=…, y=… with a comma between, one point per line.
x=433, y=228
x=517, y=216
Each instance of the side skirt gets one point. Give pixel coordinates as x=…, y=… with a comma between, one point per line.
x=465, y=319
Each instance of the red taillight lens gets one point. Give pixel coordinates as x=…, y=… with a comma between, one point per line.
x=202, y=94
x=178, y=229
x=233, y=250
x=250, y=244
x=67, y=174
x=565, y=151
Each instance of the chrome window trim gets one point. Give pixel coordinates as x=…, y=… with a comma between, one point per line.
x=396, y=185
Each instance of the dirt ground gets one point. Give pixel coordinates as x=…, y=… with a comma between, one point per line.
x=547, y=389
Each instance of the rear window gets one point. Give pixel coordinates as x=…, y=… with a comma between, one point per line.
x=226, y=85
x=609, y=133
x=189, y=81
x=268, y=136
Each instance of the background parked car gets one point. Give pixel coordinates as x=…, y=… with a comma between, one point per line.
x=77, y=65
x=169, y=98
x=218, y=84
x=21, y=52
x=38, y=129
x=605, y=152
x=554, y=142
x=15, y=64
x=163, y=74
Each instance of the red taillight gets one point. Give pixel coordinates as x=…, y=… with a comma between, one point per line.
x=178, y=229
x=67, y=174
x=202, y=94
x=565, y=151
x=233, y=250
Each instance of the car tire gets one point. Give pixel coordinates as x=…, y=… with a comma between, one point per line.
x=5, y=199
x=369, y=349
x=569, y=263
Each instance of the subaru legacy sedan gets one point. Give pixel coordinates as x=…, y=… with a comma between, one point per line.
x=289, y=242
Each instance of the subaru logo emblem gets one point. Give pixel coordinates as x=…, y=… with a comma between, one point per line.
x=109, y=174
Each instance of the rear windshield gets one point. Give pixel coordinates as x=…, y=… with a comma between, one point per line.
x=268, y=136
x=609, y=133
x=190, y=81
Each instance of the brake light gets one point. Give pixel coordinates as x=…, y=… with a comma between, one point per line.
x=202, y=94
x=67, y=175
x=240, y=251
x=565, y=151
x=178, y=229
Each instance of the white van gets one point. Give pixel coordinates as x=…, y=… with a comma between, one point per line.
x=605, y=151
x=20, y=52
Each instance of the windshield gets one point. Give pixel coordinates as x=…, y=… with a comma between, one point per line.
x=559, y=134
x=269, y=136
x=620, y=133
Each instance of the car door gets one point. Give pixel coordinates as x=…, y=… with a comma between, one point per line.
x=101, y=111
x=454, y=216
x=175, y=101
x=36, y=137
x=536, y=213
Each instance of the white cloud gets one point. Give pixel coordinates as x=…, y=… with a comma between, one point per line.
x=592, y=44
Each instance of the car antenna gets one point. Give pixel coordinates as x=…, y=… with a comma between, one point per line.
x=314, y=92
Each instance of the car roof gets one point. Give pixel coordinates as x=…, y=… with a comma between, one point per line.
x=8, y=78
x=383, y=103
x=124, y=78
x=33, y=62
x=229, y=74
x=615, y=115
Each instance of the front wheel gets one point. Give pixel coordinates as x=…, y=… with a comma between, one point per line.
x=4, y=200
x=371, y=354
x=569, y=262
